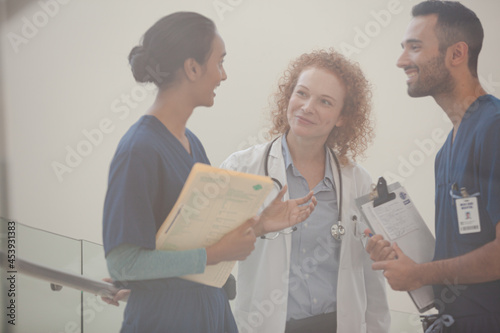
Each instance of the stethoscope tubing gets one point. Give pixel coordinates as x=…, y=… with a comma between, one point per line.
x=280, y=186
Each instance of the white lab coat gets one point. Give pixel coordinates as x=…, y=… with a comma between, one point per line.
x=262, y=282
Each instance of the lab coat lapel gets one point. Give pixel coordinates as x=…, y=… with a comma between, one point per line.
x=336, y=179
x=276, y=166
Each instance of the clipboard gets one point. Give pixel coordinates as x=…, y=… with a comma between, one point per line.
x=390, y=212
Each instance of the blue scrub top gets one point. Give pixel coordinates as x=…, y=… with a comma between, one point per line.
x=146, y=176
x=471, y=161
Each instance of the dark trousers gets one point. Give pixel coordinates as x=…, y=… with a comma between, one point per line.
x=324, y=323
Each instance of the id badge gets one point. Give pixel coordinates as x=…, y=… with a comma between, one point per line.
x=468, y=215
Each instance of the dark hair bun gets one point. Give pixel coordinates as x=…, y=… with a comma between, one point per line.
x=168, y=43
x=139, y=61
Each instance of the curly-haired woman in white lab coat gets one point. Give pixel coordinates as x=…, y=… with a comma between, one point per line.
x=307, y=280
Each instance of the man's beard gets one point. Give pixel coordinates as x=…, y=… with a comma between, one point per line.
x=433, y=79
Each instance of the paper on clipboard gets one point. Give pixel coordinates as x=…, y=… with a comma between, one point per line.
x=398, y=220
x=212, y=202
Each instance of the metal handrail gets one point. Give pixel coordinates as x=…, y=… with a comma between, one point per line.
x=59, y=278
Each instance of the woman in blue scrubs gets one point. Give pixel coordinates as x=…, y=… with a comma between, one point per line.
x=182, y=54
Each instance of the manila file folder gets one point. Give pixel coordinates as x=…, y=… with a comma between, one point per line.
x=212, y=202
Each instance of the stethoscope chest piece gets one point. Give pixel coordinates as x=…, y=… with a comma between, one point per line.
x=337, y=231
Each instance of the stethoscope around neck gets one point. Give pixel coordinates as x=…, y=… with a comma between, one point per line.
x=337, y=230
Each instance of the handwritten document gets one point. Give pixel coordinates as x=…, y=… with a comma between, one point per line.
x=212, y=202
x=398, y=220
x=396, y=216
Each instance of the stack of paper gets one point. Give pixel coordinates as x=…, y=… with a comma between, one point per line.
x=212, y=203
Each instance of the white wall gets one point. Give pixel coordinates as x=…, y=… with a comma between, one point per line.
x=70, y=73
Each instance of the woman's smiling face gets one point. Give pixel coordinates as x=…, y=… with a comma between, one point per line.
x=316, y=104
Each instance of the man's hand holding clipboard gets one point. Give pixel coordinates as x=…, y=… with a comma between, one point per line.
x=379, y=248
x=400, y=271
x=401, y=240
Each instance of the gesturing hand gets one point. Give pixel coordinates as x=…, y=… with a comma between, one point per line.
x=283, y=214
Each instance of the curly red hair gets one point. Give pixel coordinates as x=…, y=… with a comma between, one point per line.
x=352, y=138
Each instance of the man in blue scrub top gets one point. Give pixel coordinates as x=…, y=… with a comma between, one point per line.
x=440, y=53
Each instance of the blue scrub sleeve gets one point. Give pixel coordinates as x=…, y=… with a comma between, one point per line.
x=490, y=170
x=129, y=262
x=129, y=206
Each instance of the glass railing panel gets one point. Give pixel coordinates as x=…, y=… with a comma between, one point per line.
x=37, y=307
x=98, y=316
